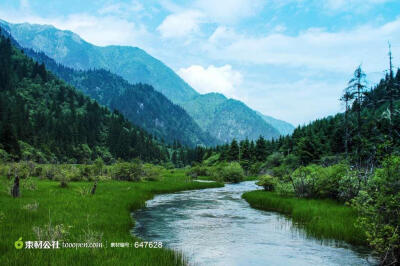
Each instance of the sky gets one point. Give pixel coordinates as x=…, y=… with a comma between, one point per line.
x=290, y=59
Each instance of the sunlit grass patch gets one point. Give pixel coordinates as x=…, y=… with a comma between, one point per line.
x=323, y=219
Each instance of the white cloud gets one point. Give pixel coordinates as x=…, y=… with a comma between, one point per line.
x=184, y=22
x=181, y=24
x=122, y=9
x=105, y=30
x=213, y=79
x=99, y=30
x=299, y=101
x=315, y=49
x=351, y=5
x=229, y=11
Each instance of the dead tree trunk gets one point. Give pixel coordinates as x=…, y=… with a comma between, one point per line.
x=94, y=188
x=15, y=188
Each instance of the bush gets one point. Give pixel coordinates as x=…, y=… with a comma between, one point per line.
x=197, y=170
x=74, y=174
x=256, y=168
x=49, y=172
x=152, y=172
x=275, y=159
x=4, y=156
x=128, y=171
x=349, y=186
x=378, y=206
x=98, y=166
x=267, y=182
x=232, y=172
x=304, y=180
x=284, y=189
x=212, y=160
x=329, y=180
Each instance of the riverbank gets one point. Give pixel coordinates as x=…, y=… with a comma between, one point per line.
x=45, y=210
x=322, y=219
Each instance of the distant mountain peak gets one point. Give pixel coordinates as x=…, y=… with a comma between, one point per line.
x=212, y=111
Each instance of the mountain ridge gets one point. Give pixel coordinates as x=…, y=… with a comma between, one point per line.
x=136, y=66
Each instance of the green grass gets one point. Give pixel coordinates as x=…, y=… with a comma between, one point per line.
x=322, y=219
x=107, y=212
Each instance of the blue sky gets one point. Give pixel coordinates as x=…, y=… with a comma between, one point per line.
x=289, y=59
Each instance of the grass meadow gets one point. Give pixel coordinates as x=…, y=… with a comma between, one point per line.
x=46, y=210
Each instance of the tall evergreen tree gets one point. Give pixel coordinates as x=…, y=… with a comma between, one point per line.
x=233, y=154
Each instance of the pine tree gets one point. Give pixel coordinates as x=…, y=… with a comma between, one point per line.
x=233, y=154
x=356, y=90
x=261, y=149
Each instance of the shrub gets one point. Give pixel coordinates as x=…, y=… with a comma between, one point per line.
x=378, y=206
x=29, y=184
x=275, y=159
x=49, y=172
x=284, y=189
x=232, y=172
x=212, y=160
x=4, y=156
x=63, y=178
x=98, y=166
x=329, y=179
x=256, y=168
x=267, y=182
x=291, y=162
x=349, y=186
x=304, y=180
x=197, y=170
x=152, y=172
x=128, y=171
x=74, y=174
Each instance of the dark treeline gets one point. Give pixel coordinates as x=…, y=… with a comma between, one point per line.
x=45, y=120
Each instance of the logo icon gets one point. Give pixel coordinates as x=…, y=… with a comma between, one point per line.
x=19, y=244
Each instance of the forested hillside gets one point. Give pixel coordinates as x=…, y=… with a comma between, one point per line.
x=228, y=119
x=139, y=103
x=45, y=120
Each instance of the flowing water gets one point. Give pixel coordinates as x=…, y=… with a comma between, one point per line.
x=217, y=227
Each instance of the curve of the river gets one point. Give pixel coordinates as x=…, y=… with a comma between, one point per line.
x=217, y=227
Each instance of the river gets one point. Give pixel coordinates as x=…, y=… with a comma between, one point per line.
x=217, y=227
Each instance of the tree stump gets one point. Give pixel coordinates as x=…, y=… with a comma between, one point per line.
x=94, y=188
x=15, y=188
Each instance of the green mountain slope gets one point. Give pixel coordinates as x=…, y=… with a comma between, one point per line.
x=283, y=127
x=140, y=103
x=132, y=63
x=46, y=120
x=228, y=119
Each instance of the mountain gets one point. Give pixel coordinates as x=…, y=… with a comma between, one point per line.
x=136, y=66
x=283, y=127
x=131, y=63
x=139, y=103
x=228, y=119
x=44, y=119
